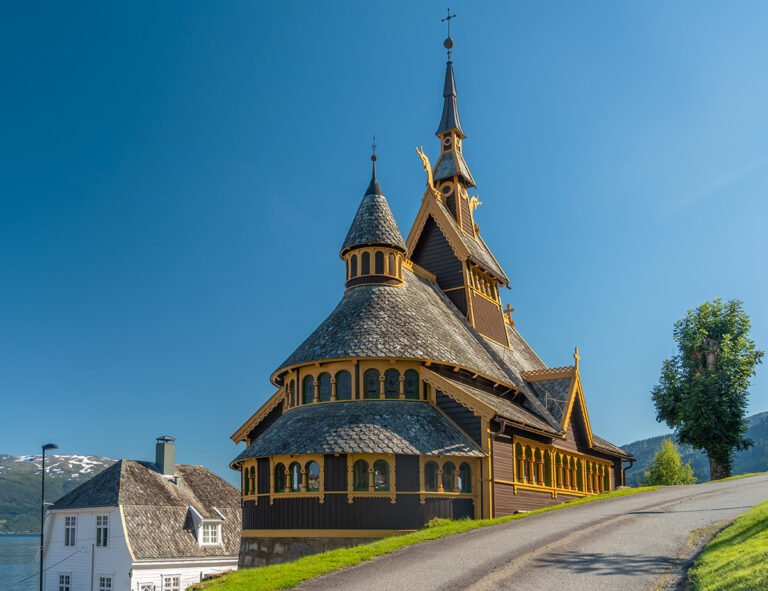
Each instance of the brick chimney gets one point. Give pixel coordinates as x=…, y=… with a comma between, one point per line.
x=165, y=455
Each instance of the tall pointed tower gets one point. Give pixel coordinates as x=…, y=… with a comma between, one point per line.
x=445, y=239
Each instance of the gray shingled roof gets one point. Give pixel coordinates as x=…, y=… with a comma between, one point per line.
x=374, y=222
x=415, y=320
x=607, y=446
x=553, y=394
x=452, y=163
x=450, y=117
x=156, y=508
x=365, y=426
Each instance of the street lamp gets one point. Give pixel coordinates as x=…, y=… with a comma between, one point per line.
x=46, y=447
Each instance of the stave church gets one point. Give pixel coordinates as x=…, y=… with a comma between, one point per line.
x=417, y=397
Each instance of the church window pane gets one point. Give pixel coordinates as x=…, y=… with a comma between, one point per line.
x=380, y=475
x=294, y=473
x=279, y=477
x=430, y=476
x=465, y=478
x=392, y=383
x=292, y=393
x=411, y=385
x=361, y=475
x=353, y=266
x=366, y=263
x=324, y=385
x=379, y=262
x=313, y=476
x=392, y=268
x=308, y=390
x=371, y=381
x=343, y=385
x=252, y=480
x=448, y=471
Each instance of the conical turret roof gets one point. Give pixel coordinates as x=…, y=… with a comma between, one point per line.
x=374, y=222
x=450, y=118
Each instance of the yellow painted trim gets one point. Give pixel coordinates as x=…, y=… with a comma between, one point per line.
x=323, y=533
x=459, y=395
x=258, y=416
x=578, y=394
x=370, y=459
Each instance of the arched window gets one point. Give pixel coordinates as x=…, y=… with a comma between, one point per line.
x=448, y=472
x=252, y=480
x=294, y=473
x=292, y=393
x=392, y=383
x=371, y=381
x=548, y=468
x=430, y=476
x=379, y=263
x=308, y=390
x=380, y=475
x=465, y=478
x=366, y=263
x=279, y=477
x=360, y=475
x=353, y=266
x=343, y=385
x=411, y=385
x=246, y=482
x=312, y=471
x=324, y=387
x=392, y=265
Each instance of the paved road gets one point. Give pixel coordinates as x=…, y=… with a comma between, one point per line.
x=625, y=544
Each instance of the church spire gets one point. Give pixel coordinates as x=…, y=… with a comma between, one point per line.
x=450, y=120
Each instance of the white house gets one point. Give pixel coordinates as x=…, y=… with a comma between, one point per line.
x=139, y=526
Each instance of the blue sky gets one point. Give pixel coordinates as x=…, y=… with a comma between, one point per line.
x=176, y=180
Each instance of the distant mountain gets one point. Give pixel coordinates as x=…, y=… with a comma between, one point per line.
x=755, y=459
x=20, y=485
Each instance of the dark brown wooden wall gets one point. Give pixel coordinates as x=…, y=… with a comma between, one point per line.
x=489, y=320
x=461, y=415
x=507, y=502
x=433, y=252
x=576, y=434
x=466, y=217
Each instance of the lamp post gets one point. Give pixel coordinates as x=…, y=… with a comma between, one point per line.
x=46, y=447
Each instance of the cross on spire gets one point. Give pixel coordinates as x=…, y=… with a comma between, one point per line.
x=508, y=313
x=373, y=148
x=448, y=43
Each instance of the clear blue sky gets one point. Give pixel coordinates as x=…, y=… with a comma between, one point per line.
x=176, y=179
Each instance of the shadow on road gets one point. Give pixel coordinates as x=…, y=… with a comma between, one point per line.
x=610, y=564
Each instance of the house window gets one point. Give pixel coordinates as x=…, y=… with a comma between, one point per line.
x=392, y=270
x=172, y=583
x=280, y=477
x=430, y=476
x=70, y=524
x=292, y=393
x=343, y=385
x=324, y=385
x=146, y=587
x=380, y=476
x=411, y=385
x=65, y=583
x=294, y=473
x=312, y=471
x=465, y=478
x=102, y=530
x=105, y=583
x=392, y=383
x=378, y=260
x=308, y=390
x=361, y=476
x=210, y=534
x=365, y=263
x=371, y=380
x=448, y=471
x=353, y=266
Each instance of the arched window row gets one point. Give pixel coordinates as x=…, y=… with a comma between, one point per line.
x=545, y=467
x=371, y=475
x=373, y=261
x=296, y=475
x=446, y=476
x=248, y=471
x=328, y=386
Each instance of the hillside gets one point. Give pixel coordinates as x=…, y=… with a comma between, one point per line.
x=20, y=485
x=754, y=459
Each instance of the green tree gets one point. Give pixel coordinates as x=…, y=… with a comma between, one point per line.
x=667, y=467
x=702, y=393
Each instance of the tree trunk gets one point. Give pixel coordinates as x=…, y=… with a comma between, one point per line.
x=717, y=470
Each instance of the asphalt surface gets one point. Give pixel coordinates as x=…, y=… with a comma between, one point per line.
x=627, y=544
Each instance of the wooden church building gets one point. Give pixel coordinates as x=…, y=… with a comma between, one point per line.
x=416, y=397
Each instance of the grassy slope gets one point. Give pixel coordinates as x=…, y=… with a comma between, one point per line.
x=737, y=558
x=288, y=575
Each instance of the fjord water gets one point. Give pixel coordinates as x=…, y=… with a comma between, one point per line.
x=18, y=560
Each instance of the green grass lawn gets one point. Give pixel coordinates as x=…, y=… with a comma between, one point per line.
x=738, y=476
x=290, y=574
x=737, y=558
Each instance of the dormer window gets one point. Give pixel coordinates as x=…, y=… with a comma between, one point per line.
x=210, y=534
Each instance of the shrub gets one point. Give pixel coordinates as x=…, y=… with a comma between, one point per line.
x=667, y=467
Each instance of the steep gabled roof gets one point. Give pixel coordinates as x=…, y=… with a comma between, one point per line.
x=156, y=508
x=367, y=426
